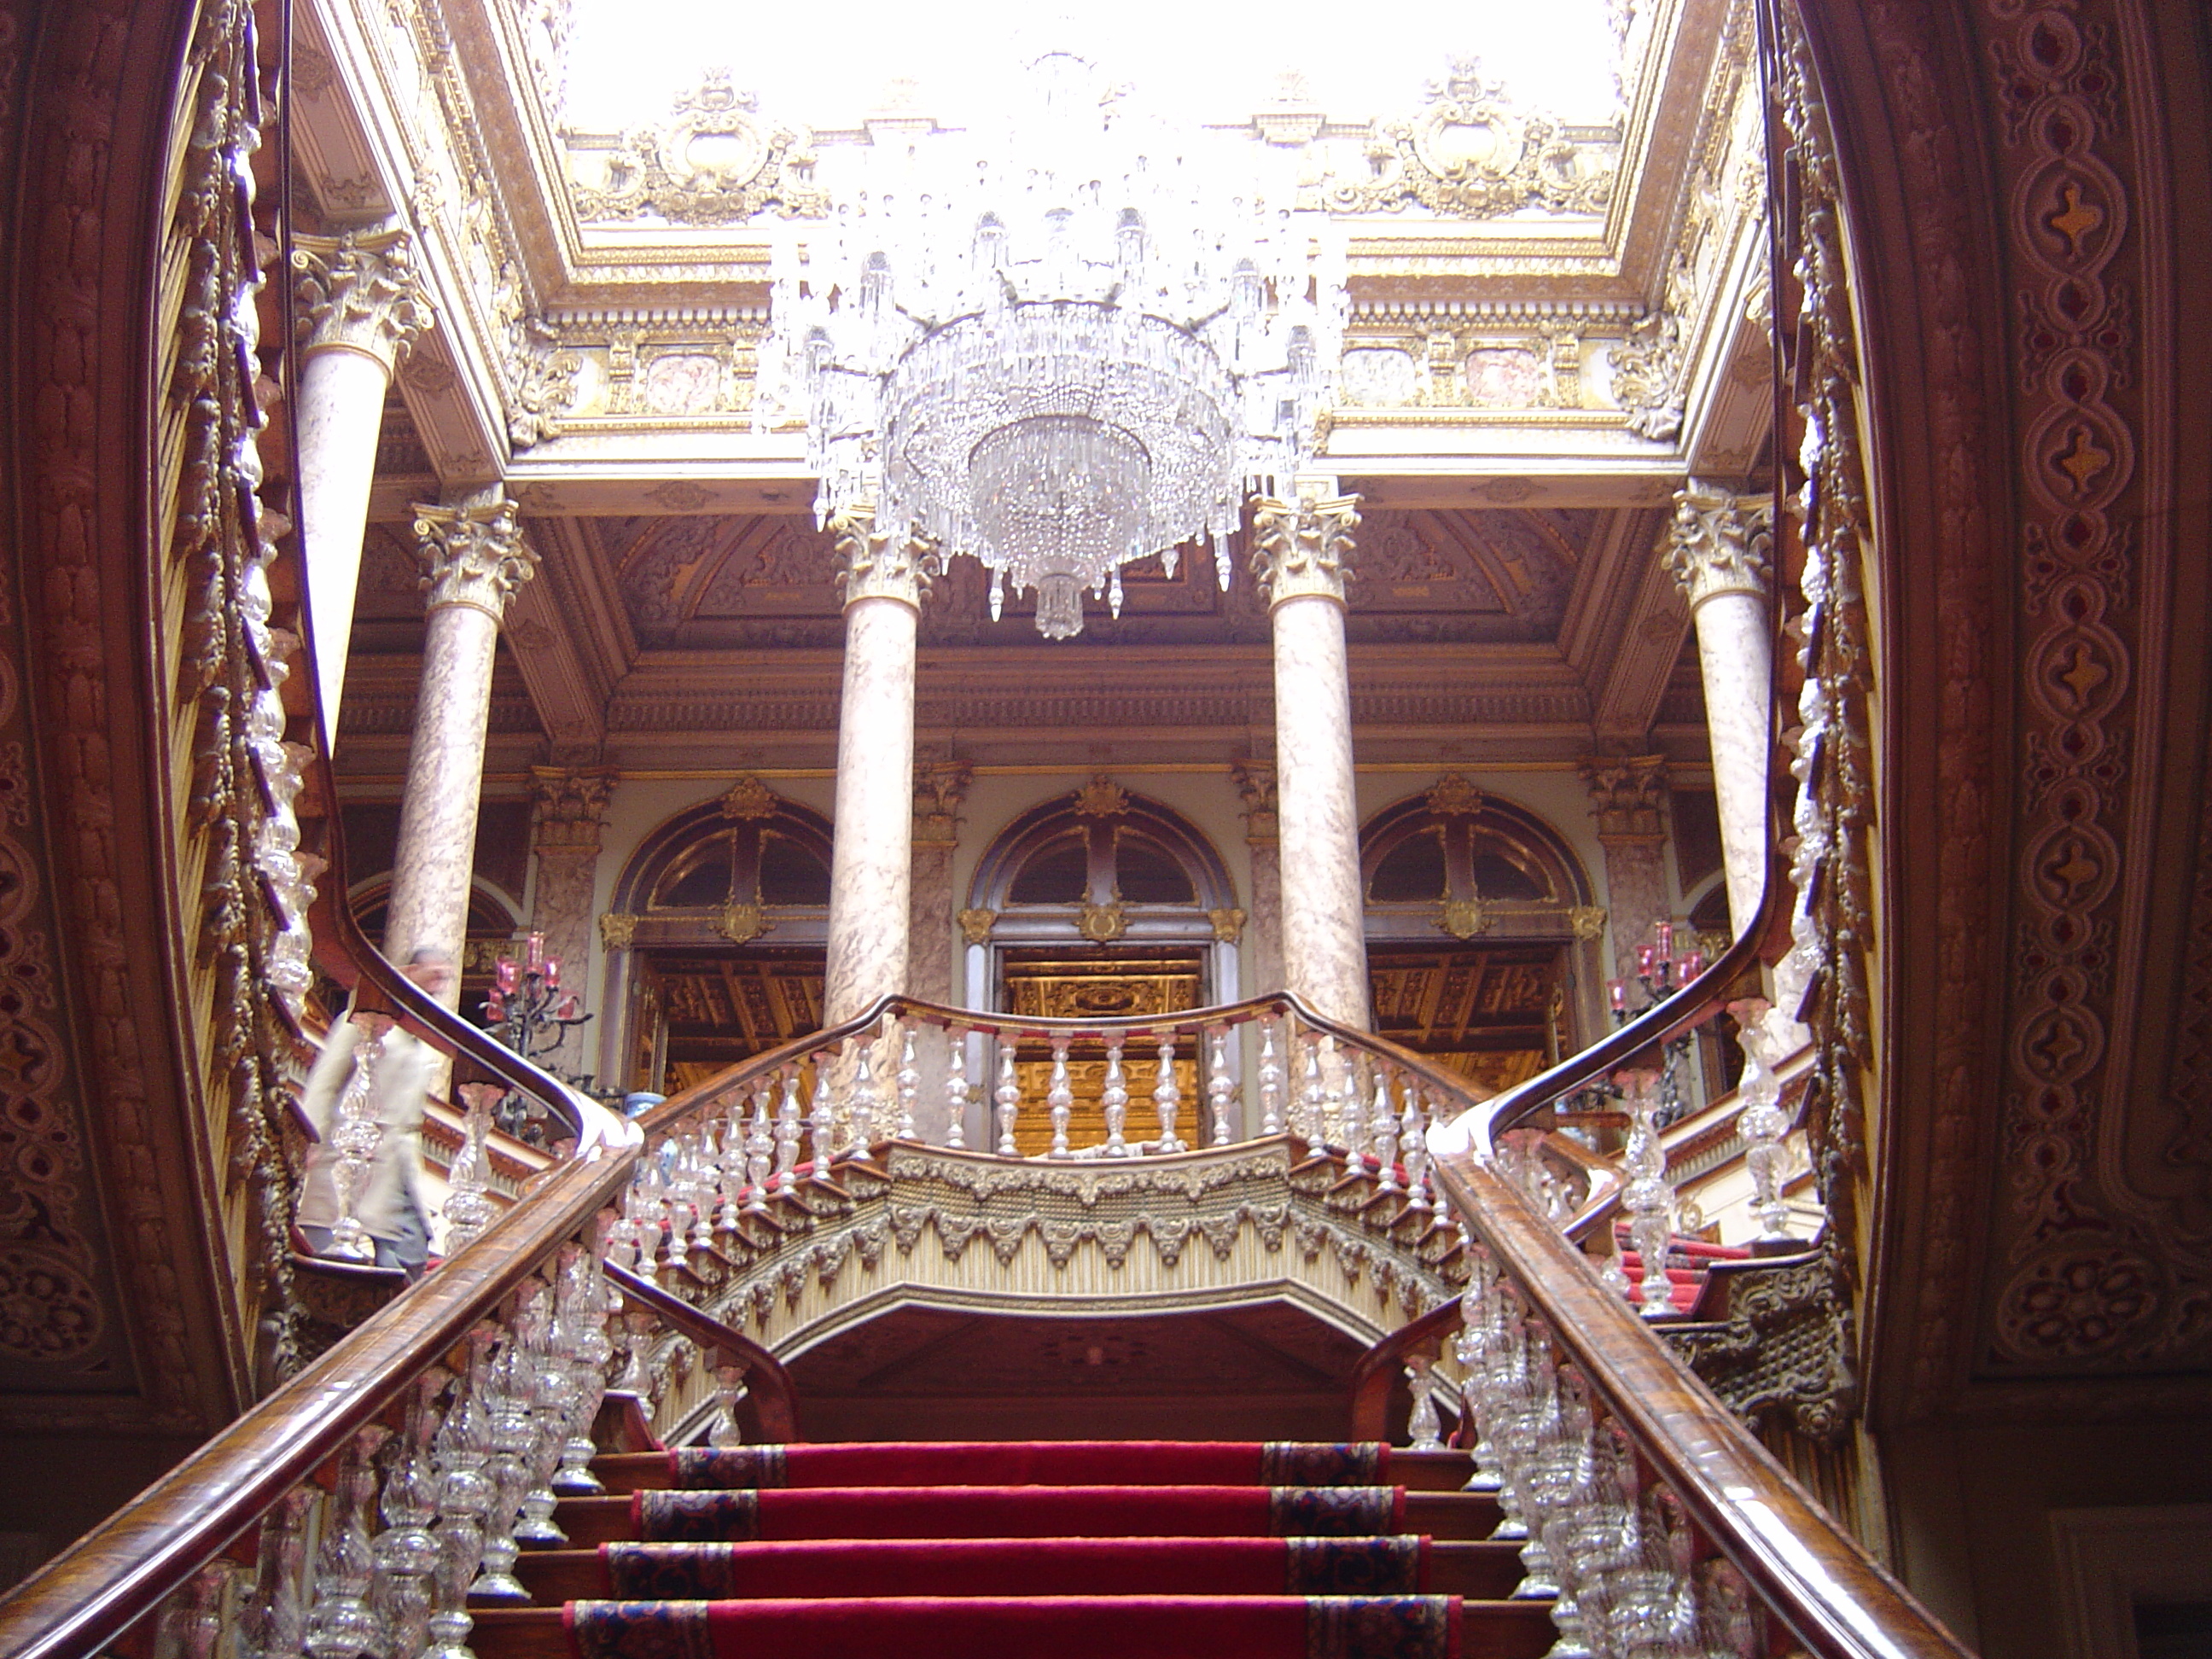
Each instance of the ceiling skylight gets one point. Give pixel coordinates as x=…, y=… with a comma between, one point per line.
x=830, y=67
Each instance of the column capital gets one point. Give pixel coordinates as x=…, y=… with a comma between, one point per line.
x=940, y=787
x=473, y=551
x=361, y=291
x=1626, y=792
x=873, y=565
x=1301, y=548
x=569, y=807
x=1720, y=543
x=1256, y=787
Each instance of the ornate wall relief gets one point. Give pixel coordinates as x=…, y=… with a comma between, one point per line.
x=714, y=161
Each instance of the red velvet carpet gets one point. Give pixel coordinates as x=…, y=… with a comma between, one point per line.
x=1074, y=1550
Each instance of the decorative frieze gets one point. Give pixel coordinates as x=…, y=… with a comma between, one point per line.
x=714, y=161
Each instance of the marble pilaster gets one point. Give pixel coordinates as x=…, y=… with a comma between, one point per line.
x=1720, y=550
x=473, y=558
x=1626, y=796
x=568, y=810
x=940, y=787
x=361, y=305
x=1300, y=551
x=871, y=861
x=1256, y=787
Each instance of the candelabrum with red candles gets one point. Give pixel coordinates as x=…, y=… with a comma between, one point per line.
x=1659, y=974
x=527, y=1009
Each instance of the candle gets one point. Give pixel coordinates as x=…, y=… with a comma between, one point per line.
x=1619, y=993
x=1645, y=954
x=494, y=1007
x=537, y=949
x=505, y=972
x=552, y=970
x=1694, y=963
x=1666, y=939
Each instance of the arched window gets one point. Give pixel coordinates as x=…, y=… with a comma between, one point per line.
x=1100, y=902
x=1481, y=933
x=717, y=937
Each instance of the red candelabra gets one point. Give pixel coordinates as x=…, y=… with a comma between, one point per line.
x=527, y=1009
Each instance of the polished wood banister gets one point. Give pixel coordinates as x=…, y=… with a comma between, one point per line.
x=1838, y=1601
x=119, y=1572
x=773, y=1396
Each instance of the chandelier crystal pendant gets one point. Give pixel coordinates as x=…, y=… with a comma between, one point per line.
x=1061, y=347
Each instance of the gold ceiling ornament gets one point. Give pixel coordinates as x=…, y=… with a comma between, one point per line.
x=1101, y=798
x=1102, y=923
x=1452, y=794
x=1228, y=925
x=749, y=798
x=617, y=930
x=1588, y=920
x=714, y=161
x=975, y=924
x=1471, y=155
x=1464, y=918
x=741, y=924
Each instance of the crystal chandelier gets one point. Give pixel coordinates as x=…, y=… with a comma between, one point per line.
x=1063, y=347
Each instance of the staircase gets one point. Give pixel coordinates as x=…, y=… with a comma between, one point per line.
x=1064, y=1550
x=1689, y=1266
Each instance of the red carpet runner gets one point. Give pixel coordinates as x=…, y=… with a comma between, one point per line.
x=1104, y=1550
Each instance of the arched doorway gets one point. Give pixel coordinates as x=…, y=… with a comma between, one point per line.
x=716, y=941
x=1482, y=935
x=1099, y=903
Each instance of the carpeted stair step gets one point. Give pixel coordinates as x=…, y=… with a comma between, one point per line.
x=1028, y=1627
x=737, y=1516
x=1009, y=1566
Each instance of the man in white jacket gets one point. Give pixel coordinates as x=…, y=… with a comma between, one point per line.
x=389, y=1201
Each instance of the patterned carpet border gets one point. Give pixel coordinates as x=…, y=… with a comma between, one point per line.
x=1353, y=1566
x=640, y=1630
x=1377, y=1627
x=711, y=1468
x=1332, y=1511
x=699, y=1518
x=1323, y=1464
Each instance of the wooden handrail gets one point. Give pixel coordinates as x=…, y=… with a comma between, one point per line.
x=768, y=1386
x=1836, y=1599
x=119, y=1572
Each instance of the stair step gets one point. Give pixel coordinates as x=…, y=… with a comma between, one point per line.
x=623, y=1472
x=1040, y=1628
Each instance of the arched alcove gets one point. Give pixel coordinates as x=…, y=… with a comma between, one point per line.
x=1482, y=932
x=1100, y=902
x=716, y=938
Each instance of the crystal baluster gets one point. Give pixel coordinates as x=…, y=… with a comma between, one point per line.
x=1008, y=1095
x=760, y=1152
x=513, y=1437
x=1219, y=1085
x=1384, y=1133
x=580, y=1339
x=636, y=1342
x=955, y=1089
x=1525, y=1427
x=1114, y=1097
x=821, y=1121
x=1060, y=1097
x=191, y=1622
x=865, y=1100
x=1759, y=1123
x=406, y=1554
x=729, y=1395
x=1647, y=1198
x=908, y=1081
x=683, y=1206
x=549, y=1398
x=467, y=1211
x=355, y=1135
x=1313, y=1093
x=1352, y=1110
x=462, y=1451
x=1560, y=1497
x=1414, y=1147
x=275, y=1617
x=789, y=1130
x=1167, y=1096
x=342, y=1625
x=713, y=1171
x=1335, y=1068
x=1425, y=1425
x=1271, y=1080
x=1471, y=1348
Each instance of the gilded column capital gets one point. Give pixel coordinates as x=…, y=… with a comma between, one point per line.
x=473, y=551
x=569, y=807
x=1301, y=548
x=1720, y=543
x=873, y=565
x=361, y=291
x=1626, y=792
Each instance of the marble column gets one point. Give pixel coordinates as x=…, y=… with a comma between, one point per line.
x=473, y=559
x=1256, y=787
x=360, y=306
x=940, y=787
x=1299, y=553
x=1626, y=795
x=1720, y=550
x=871, y=860
x=568, y=810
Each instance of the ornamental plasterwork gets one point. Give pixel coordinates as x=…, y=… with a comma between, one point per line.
x=1471, y=155
x=625, y=371
x=714, y=161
